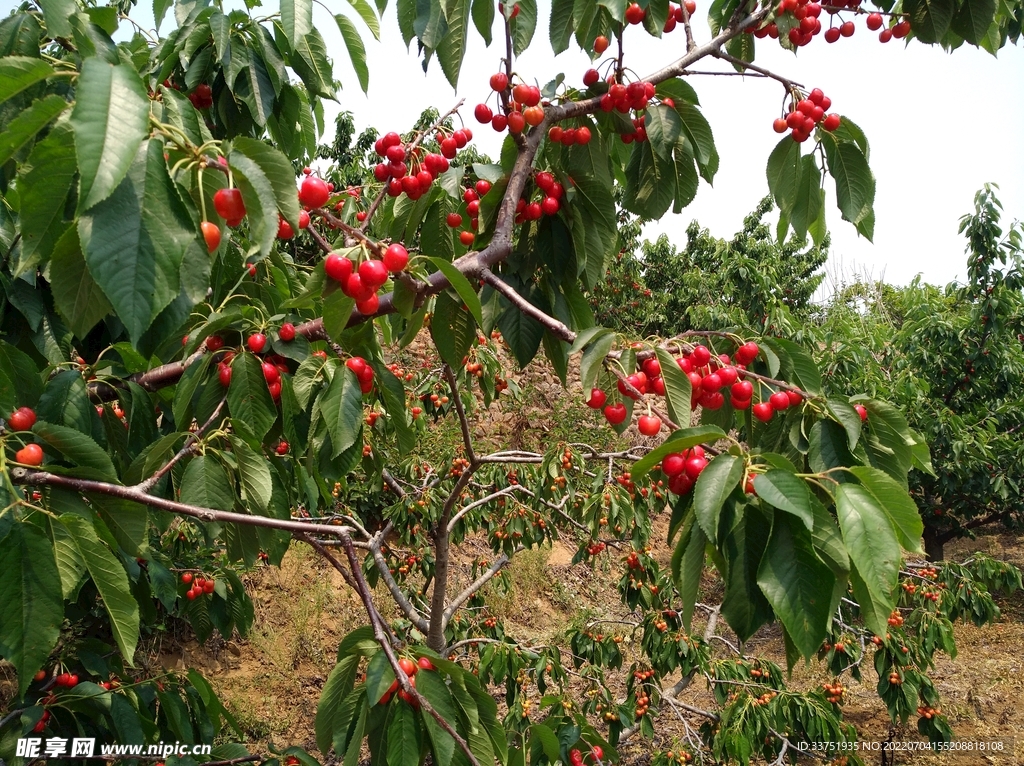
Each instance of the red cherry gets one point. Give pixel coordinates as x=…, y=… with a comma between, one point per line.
x=832, y=34
x=635, y=14
x=499, y=81
x=673, y=464
x=224, y=374
x=187, y=578
x=374, y=273
x=516, y=122
x=211, y=233
x=739, y=404
x=600, y=44
x=313, y=192
x=779, y=401
x=590, y=77
x=874, y=21
x=795, y=399
x=763, y=411
x=499, y=122
x=597, y=399
x=862, y=411
x=483, y=113
x=30, y=454
x=712, y=382
x=466, y=238
x=901, y=30
x=615, y=413
x=338, y=268
x=256, y=342
x=583, y=135
x=208, y=585
x=270, y=372
x=425, y=664
x=742, y=389
x=287, y=332
x=408, y=666
x=482, y=186
x=22, y=419
x=780, y=125
x=396, y=258
x=847, y=29
x=281, y=448
x=284, y=229
x=550, y=206
x=369, y=306
x=454, y=220
x=649, y=425
x=700, y=355
x=229, y=205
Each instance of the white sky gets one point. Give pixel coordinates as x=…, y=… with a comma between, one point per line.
x=940, y=125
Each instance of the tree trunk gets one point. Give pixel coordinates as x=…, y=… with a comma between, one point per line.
x=934, y=542
x=435, y=636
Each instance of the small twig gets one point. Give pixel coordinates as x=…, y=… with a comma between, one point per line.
x=190, y=443
x=787, y=83
x=467, y=438
x=499, y=563
x=557, y=328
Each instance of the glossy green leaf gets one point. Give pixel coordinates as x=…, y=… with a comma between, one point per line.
x=19, y=131
x=205, y=484
x=688, y=566
x=855, y=185
x=847, y=416
x=592, y=361
x=451, y=328
x=784, y=172
x=342, y=406
x=678, y=389
x=787, y=492
x=134, y=240
x=682, y=439
x=796, y=583
x=31, y=600
x=111, y=582
x=76, y=295
x=20, y=72
x=111, y=119
x=892, y=497
x=403, y=737
x=260, y=198
x=523, y=25
x=254, y=473
x=312, y=64
x=356, y=49
x=338, y=687
x=278, y=171
x=248, y=397
x=431, y=686
x=44, y=182
x=663, y=128
x=930, y=19
x=974, y=19
x=297, y=19
x=76, y=447
x=716, y=482
x=452, y=49
x=462, y=286
x=870, y=539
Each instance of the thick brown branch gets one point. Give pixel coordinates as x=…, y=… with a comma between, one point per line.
x=499, y=563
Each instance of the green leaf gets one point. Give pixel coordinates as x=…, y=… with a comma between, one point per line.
x=254, y=473
x=356, y=49
x=973, y=20
x=452, y=48
x=787, y=492
x=809, y=197
x=522, y=333
x=20, y=72
x=847, y=416
x=379, y=677
x=541, y=736
x=462, y=286
x=312, y=65
x=248, y=397
x=111, y=120
x=678, y=389
x=650, y=182
x=403, y=737
x=297, y=19
x=784, y=172
x=31, y=600
x=338, y=309
x=682, y=439
x=342, y=406
x=451, y=328
x=277, y=170
x=523, y=25
x=688, y=565
x=70, y=564
x=135, y=239
x=855, y=186
x=663, y=128
x=715, y=483
x=78, y=298
x=77, y=447
x=393, y=393
x=22, y=128
x=870, y=539
x=338, y=687
x=57, y=13
x=892, y=497
x=205, y=484
x=874, y=608
x=930, y=19
x=744, y=532
x=65, y=401
x=483, y=18
x=44, y=182
x=111, y=582
x=796, y=583
x=430, y=685
x=368, y=15
x=560, y=29
x=828, y=447
x=592, y=361
x=260, y=200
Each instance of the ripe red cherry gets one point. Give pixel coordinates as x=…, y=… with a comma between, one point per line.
x=369, y=306
x=847, y=29
x=742, y=389
x=454, y=220
x=314, y=192
x=466, y=238
x=862, y=411
x=590, y=77
x=374, y=273
x=229, y=206
x=303, y=219
x=673, y=464
x=30, y=454
x=356, y=288
x=780, y=125
x=635, y=14
x=600, y=44
x=712, y=382
x=652, y=368
x=583, y=135
x=482, y=186
x=763, y=411
x=499, y=122
x=22, y=419
x=832, y=34
x=874, y=21
x=648, y=425
x=224, y=374
x=483, y=113
x=615, y=413
x=396, y=258
x=338, y=268
x=700, y=355
x=425, y=664
x=281, y=448
x=284, y=229
x=211, y=233
x=795, y=399
x=408, y=666
x=270, y=372
x=287, y=332
x=187, y=578
x=256, y=342
x=550, y=206
x=499, y=81
x=901, y=30
x=779, y=401
x=831, y=122
x=597, y=399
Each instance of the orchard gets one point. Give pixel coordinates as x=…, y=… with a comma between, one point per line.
x=203, y=363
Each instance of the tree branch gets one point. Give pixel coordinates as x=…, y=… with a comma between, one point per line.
x=467, y=438
x=499, y=563
x=190, y=443
x=556, y=327
x=407, y=607
x=788, y=84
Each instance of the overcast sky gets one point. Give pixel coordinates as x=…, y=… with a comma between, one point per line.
x=940, y=125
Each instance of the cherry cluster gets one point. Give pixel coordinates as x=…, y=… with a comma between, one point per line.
x=808, y=25
x=362, y=282
x=200, y=585
x=675, y=14
x=201, y=97
x=683, y=468
x=550, y=203
x=806, y=114
x=833, y=692
x=471, y=197
x=523, y=106
x=414, y=181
